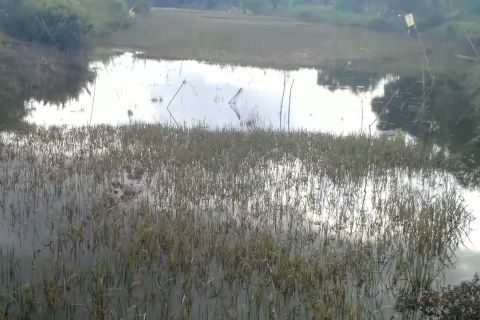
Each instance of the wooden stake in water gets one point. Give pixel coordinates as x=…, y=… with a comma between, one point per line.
x=173, y=98
x=289, y=102
x=233, y=103
x=283, y=95
x=410, y=21
x=93, y=101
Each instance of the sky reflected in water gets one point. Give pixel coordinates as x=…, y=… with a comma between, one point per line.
x=129, y=89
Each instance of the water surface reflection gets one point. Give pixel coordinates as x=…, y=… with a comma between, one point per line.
x=128, y=89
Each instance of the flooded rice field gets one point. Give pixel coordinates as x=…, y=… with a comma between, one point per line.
x=145, y=220
x=180, y=189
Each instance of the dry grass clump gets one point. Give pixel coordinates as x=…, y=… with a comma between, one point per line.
x=148, y=221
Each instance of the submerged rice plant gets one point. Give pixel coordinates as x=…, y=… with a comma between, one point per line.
x=149, y=222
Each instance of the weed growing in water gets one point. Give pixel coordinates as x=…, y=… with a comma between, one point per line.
x=151, y=221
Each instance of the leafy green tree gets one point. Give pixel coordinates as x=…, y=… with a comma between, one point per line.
x=61, y=24
x=64, y=23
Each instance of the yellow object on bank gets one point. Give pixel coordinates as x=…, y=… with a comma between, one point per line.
x=410, y=20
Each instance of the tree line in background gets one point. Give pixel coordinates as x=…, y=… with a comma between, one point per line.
x=399, y=6
x=404, y=6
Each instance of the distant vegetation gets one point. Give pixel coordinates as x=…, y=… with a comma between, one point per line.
x=64, y=23
x=454, y=17
x=377, y=7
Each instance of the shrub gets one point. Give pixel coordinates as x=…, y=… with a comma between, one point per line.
x=63, y=23
x=60, y=23
x=458, y=302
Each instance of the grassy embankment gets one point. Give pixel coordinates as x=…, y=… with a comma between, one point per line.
x=454, y=25
x=268, y=41
x=328, y=14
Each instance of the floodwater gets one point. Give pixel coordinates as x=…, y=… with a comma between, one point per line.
x=468, y=258
x=189, y=93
